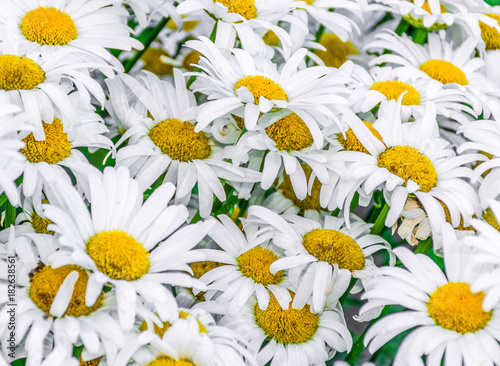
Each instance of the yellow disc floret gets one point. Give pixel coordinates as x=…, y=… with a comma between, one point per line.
x=311, y=202
x=53, y=149
x=290, y=326
x=336, y=52
x=246, y=8
x=255, y=264
x=48, y=26
x=334, y=247
x=290, y=133
x=19, y=73
x=271, y=39
x=263, y=86
x=453, y=306
x=45, y=284
x=118, y=255
x=39, y=224
x=490, y=35
x=352, y=143
x=408, y=163
x=192, y=58
x=161, y=331
x=490, y=218
x=167, y=361
x=392, y=89
x=154, y=63
x=179, y=141
x=444, y=72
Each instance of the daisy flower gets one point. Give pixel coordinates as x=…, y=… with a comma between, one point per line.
x=292, y=335
x=241, y=84
x=167, y=143
x=451, y=316
x=44, y=26
x=244, y=269
x=314, y=253
x=410, y=159
x=124, y=241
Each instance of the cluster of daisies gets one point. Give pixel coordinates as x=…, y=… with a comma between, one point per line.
x=215, y=182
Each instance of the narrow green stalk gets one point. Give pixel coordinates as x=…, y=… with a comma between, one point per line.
x=419, y=36
x=379, y=224
x=424, y=246
x=320, y=32
x=402, y=27
x=150, y=37
x=358, y=347
x=10, y=214
x=3, y=199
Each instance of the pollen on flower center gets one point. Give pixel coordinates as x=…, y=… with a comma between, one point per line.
x=453, y=306
x=167, y=361
x=444, y=72
x=39, y=224
x=118, y=255
x=392, y=89
x=336, y=52
x=45, y=284
x=490, y=219
x=48, y=26
x=408, y=163
x=192, y=58
x=255, y=264
x=179, y=141
x=246, y=8
x=161, y=331
x=311, y=202
x=290, y=326
x=93, y=362
x=259, y=86
x=334, y=247
x=352, y=143
x=53, y=149
x=153, y=62
x=290, y=133
x=489, y=34
x=19, y=73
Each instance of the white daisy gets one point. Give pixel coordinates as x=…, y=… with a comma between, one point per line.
x=451, y=316
x=44, y=26
x=125, y=242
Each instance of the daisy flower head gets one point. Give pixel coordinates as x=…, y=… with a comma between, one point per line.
x=290, y=336
x=454, y=67
x=125, y=242
x=51, y=305
x=411, y=159
x=165, y=140
x=242, y=269
x=43, y=27
x=449, y=312
x=246, y=86
x=321, y=256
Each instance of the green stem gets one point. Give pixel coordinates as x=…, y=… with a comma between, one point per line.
x=419, y=36
x=3, y=199
x=402, y=27
x=358, y=347
x=424, y=246
x=379, y=224
x=10, y=214
x=320, y=32
x=147, y=42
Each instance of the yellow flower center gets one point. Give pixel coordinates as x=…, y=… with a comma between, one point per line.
x=290, y=326
x=19, y=73
x=199, y=269
x=290, y=133
x=447, y=215
x=39, y=224
x=336, y=52
x=334, y=247
x=453, y=306
x=271, y=39
x=153, y=62
x=408, y=163
x=311, y=202
x=246, y=8
x=54, y=149
x=255, y=264
x=45, y=284
x=352, y=143
x=393, y=89
x=192, y=58
x=444, y=72
x=118, y=255
x=48, y=26
x=161, y=331
x=179, y=141
x=491, y=219
x=489, y=34
x=93, y=362
x=259, y=86
x=167, y=361
x=187, y=26
x=427, y=8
